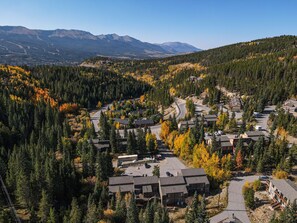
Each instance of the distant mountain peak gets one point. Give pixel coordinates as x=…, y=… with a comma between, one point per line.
x=178, y=47
x=20, y=45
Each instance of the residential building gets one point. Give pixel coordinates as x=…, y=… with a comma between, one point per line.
x=196, y=180
x=143, y=122
x=146, y=186
x=224, y=143
x=282, y=192
x=235, y=104
x=122, y=184
x=173, y=190
x=183, y=125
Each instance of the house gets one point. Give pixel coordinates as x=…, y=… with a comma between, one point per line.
x=196, y=180
x=100, y=145
x=282, y=192
x=209, y=120
x=122, y=184
x=183, y=125
x=254, y=135
x=173, y=190
x=147, y=186
x=224, y=143
x=235, y=104
x=143, y=122
x=122, y=122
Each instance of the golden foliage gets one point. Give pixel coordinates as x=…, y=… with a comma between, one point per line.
x=142, y=98
x=21, y=79
x=68, y=108
x=280, y=174
x=165, y=130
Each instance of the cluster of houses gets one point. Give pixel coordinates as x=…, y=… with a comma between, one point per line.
x=208, y=120
x=282, y=192
x=227, y=143
x=125, y=123
x=170, y=190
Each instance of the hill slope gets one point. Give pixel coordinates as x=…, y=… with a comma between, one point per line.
x=19, y=45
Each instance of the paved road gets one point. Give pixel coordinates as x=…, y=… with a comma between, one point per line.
x=235, y=201
x=170, y=164
x=181, y=108
x=263, y=119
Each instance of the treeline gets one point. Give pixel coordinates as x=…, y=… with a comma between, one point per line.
x=87, y=86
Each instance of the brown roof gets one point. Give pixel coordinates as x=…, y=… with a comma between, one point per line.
x=197, y=180
x=174, y=189
x=146, y=180
x=193, y=172
x=120, y=180
x=121, y=188
x=166, y=181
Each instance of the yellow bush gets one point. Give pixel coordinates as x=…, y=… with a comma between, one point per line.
x=280, y=174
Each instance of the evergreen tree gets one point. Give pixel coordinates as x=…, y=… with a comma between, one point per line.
x=132, y=213
x=75, y=213
x=44, y=207
x=113, y=140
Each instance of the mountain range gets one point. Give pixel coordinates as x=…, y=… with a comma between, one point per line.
x=20, y=45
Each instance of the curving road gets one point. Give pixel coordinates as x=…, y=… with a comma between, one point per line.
x=235, y=201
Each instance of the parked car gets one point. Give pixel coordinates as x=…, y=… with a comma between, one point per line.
x=263, y=178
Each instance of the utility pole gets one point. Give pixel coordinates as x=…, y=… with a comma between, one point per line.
x=12, y=208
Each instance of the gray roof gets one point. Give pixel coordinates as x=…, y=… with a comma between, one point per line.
x=197, y=180
x=209, y=116
x=143, y=122
x=174, y=189
x=287, y=188
x=189, y=122
x=122, y=121
x=192, y=172
x=164, y=181
x=121, y=188
x=145, y=180
x=223, y=138
x=226, y=144
x=147, y=189
x=254, y=133
x=120, y=180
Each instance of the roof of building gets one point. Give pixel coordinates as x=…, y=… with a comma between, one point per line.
x=190, y=122
x=197, y=180
x=174, y=189
x=223, y=138
x=254, y=133
x=120, y=180
x=122, y=121
x=164, y=181
x=146, y=180
x=287, y=188
x=226, y=144
x=147, y=189
x=192, y=172
x=121, y=188
x=210, y=118
x=143, y=122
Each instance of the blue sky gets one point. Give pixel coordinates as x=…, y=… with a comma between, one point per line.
x=203, y=23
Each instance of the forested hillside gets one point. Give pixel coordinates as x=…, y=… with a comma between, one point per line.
x=40, y=160
x=264, y=69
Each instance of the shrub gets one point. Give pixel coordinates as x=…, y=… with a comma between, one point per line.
x=257, y=185
x=249, y=197
x=280, y=174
